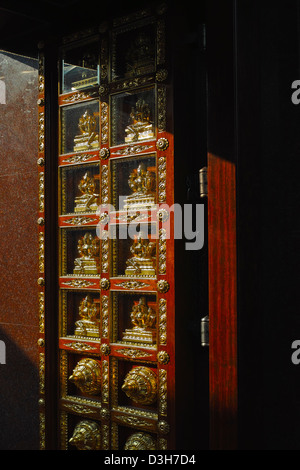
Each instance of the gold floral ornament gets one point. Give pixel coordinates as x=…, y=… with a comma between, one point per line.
x=140, y=441
x=105, y=349
x=163, y=286
x=162, y=143
x=163, y=357
x=86, y=376
x=88, y=261
x=140, y=385
x=86, y=436
x=105, y=283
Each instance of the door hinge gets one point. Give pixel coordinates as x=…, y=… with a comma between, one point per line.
x=205, y=331
x=203, y=182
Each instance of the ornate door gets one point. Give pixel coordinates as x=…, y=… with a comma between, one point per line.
x=113, y=330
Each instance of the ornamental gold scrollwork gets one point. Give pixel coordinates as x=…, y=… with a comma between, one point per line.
x=162, y=175
x=162, y=312
x=87, y=376
x=86, y=436
x=104, y=184
x=140, y=385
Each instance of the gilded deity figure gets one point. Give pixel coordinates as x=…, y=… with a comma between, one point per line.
x=89, y=314
x=140, y=127
x=142, y=262
x=88, y=138
x=88, y=201
x=88, y=250
x=143, y=318
x=142, y=183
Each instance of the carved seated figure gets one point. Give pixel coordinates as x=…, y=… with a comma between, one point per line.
x=142, y=183
x=142, y=263
x=88, y=201
x=88, y=138
x=88, y=261
x=89, y=312
x=141, y=127
x=143, y=318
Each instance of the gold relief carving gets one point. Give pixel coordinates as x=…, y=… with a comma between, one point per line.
x=140, y=441
x=41, y=298
x=133, y=421
x=41, y=281
x=163, y=286
x=86, y=376
x=42, y=372
x=104, y=184
x=162, y=215
x=83, y=157
x=142, y=263
x=105, y=382
x=41, y=252
x=163, y=357
x=105, y=283
x=41, y=161
x=104, y=251
x=104, y=153
x=77, y=408
x=133, y=149
x=41, y=221
x=142, y=183
x=162, y=444
x=86, y=436
x=162, y=109
x=41, y=342
x=162, y=143
x=42, y=430
x=88, y=250
x=140, y=385
x=162, y=249
x=128, y=217
x=89, y=323
x=80, y=220
x=133, y=353
x=143, y=318
x=163, y=427
x=141, y=126
x=162, y=175
x=78, y=283
x=104, y=122
x=88, y=137
x=41, y=124
x=131, y=83
x=63, y=372
x=162, y=392
x=104, y=413
x=79, y=346
x=162, y=331
x=89, y=199
x=105, y=437
x=104, y=349
x=161, y=42
x=161, y=75
x=132, y=285
x=41, y=190
x=104, y=311
x=79, y=96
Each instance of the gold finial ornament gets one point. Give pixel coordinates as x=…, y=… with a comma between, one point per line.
x=142, y=262
x=88, y=261
x=142, y=183
x=89, y=323
x=86, y=436
x=88, y=138
x=140, y=441
x=141, y=127
x=86, y=376
x=89, y=199
x=143, y=318
x=140, y=385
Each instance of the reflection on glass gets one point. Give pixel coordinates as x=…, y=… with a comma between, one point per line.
x=133, y=117
x=80, y=68
x=80, y=127
x=133, y=52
